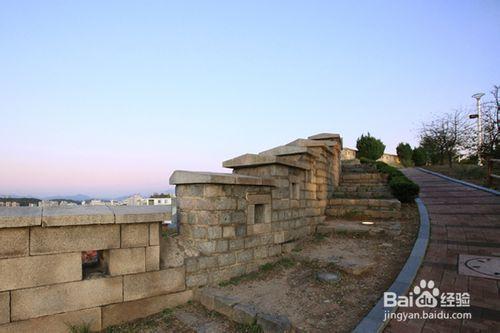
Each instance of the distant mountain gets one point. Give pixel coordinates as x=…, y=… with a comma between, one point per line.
x=77, y=197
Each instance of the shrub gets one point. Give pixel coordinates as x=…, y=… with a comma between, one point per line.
x=405, y=153
x=401, y=187
x=364, y=160
x=369, y=147
x=404, y=189
x=419, y=156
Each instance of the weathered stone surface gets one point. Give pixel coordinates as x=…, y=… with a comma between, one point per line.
x=214, y=232
x=154, y=234
x=273, y=323
x=58, y=323
x=258, y=199
x=286, y=150
x=325, y=136
x=207, y=262
x=152, y=258
x=196, y=280
x=224, y=305
x=122, y=312
x=206, y=296
x=134, y=235
x=57, y=298
x=14, y=242
x=74, y=238
x=226, y=259
x=142, y=214
x=76, y=215
x=26, y=272
x=190, y=177
x=328, y=277
x=153, y=283
x=126, y=261
x=4, y=308
x=228, y=232
x=355, y=266
x=16, y=217
x=174, y=250
x=244, y=314
x=253, y=160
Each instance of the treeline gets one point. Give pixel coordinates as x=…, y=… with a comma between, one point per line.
x=453, y=137
x=21, y=201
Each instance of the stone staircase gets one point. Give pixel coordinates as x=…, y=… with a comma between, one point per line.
x=363, y=193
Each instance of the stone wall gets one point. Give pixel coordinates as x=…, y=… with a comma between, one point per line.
x=228, y=225
x=44, y=286
x=240, y=221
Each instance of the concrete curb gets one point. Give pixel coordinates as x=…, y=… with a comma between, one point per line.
x=374, y=320
x=477, y=187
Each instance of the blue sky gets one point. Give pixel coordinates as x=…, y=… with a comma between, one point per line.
x=108, y=98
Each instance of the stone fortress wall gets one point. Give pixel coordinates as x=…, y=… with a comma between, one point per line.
x=242, y=220
x=228, y=225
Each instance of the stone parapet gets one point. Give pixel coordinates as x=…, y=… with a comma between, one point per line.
x=180, y=177
x=229, y=224
x=16, y=217
x=45, y=283
x=237, y=226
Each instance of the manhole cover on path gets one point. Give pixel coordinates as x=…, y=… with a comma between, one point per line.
x=480, y=266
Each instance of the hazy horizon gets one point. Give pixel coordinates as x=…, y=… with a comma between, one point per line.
x=109, y=98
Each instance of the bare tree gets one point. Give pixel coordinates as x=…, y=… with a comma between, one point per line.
x=446, y=137
x=491, y=127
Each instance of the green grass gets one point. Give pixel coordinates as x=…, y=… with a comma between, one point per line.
x=264, y=269
x=468, y=172
x=82, y=328
x=319, y=237
x=246, y=328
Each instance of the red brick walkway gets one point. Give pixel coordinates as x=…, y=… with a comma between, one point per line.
x=463, y=221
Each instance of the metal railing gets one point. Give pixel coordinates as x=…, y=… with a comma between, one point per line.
x=491, y=175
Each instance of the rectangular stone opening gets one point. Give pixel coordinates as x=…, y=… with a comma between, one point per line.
x=260, y=213
x=93, y=264
x=294, y=191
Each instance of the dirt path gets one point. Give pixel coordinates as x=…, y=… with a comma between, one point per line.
x=316, y=306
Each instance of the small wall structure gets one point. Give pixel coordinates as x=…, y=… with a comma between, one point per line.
x=240, y=221
x=228, y=225
x=43, y=285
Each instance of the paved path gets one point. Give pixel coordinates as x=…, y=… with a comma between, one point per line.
x=463, y=221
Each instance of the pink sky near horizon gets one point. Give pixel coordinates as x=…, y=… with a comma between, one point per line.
x=109, y=98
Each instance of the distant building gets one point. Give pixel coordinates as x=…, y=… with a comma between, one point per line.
x=157, y=201
x=48, y=203
x=134, y=200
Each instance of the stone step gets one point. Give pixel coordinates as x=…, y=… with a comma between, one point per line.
x=363, y=188
x=348, y=227
x=242, y=313
x=353, y=161
x=362, y=195
x=363, y=212
x=363, y=184
x=363, y=176
x=357, y=227
x=359, y=168
x=368, y=203
x=362, y=191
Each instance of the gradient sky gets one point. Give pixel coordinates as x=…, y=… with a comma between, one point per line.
x=109, y=97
